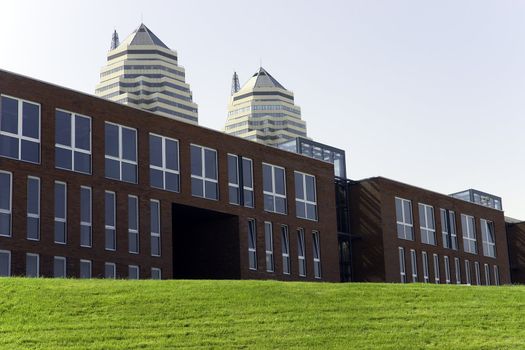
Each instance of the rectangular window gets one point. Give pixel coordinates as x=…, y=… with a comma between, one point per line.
x=6, y=201
x=133, y=272
x=317, y=254
x=59, y=267
x=204, y=178
x=86, y=220
x=5, y=263
x=447, y=269
x=110, y=221
x=164, y=163
x=285, y=249
x=72, y=142
x=240, y=180
x=448, y=228
x=469, y=234
x=436, y=269
x=496, y=275
x=85, y=268
x=487, y=274
x=301, y=253
x=467, y=273
x=110, y=270
x=424, y=258
x=405, y=227
x=19, y=129
x=413, y=264
x=252, y=245
x=32, y=265
x=457, y=267
x=154, y=206
x=402, y=267
x=305, y=196
x=60, y=212
x=488, y=238
x=156, y=273
x=120, y=153
x=268, y=242
x=133, y=224
x=427, y=224
x=33, y=208
x=477, y=272
x=274, y=188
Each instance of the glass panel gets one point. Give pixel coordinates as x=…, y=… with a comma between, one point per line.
x=196, y=161
x=9, y=146
x=172, y=155
x=31, y=265
x=109, y=209
x=299, y=186
x=172, y=182
x=31, y=120
x=268, y=203
x=133, y=215
x=154, y=212
x=63, y=158
x=59, y=268
x=5, y=191
x=129, y=144
x=5, y=224
x=267, y=178
x=109, y=271
x=5, y=264
x=85, y=236
x=155, y=150
x=9, y=116
x=33, y=228
x=111, y=140
x=233, y=170
x=129, y=172
x=247, y=173
x=280, y=205
x=248, y=198
x=60, y=200
x=83, y=162
x=83, y=133
x=112, y=169
x=133, y=242
x=210, y=158
x=156, y=178
x=300, y=209
x=85, y=269
x=155, y=245
x=211, y=189
x=399, y=210
x=234, y=194
x=311, y=212
x=33, y=196
x=110, y=239
x=310, y=188
x=63, y=128
x=197, y=187
x=408, y=211
x=60, y=232
x=30, y=151
x=279, y=181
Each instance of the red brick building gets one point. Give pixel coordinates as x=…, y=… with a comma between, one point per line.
x=92, y=188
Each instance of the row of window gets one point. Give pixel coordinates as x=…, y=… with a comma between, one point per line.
x=489, y=277
x=60, y=267
x=427, y=226
x=86, y=217
x=20, y=139
x=285, y=249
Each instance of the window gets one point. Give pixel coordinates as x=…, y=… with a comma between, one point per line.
x=305, y=196
x=252, y=245
x=19, y=129
x=301, y=252
x=402, y=267
x=447, y=269
x=85, y=217
x=487, y=274
x=488, y=239
x=72, y=142
x=32, y=265
x=268, y=241
x=477, y=272
x=436, y=269
x=457, y=267
x=427, y=224
x=156, y=273
x=317, y=254
x=60, y=212
x=164, y=163
x=59, y=267
x=239, y=165
x=424, y=257
x=467, y=272
x=133, y=272
x=154, y=206
x=33, y=208
x=121, y=153
x=413, y=263
x=6, y=201
x=469, y=234
x=448, y=227
x=85, y=268
x=204, y=172
x=405, y=227
x=110, y=221
x=285, y=248
x=133, y=224
x=5, y=263
x=274, y=189
x=496, y=275
x=110, y=270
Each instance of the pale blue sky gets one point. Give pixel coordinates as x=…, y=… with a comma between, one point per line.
x=425, y=92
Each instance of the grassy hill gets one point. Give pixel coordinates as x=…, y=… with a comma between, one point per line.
x=104, y=314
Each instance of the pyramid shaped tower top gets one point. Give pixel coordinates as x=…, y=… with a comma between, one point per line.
x=143, y=36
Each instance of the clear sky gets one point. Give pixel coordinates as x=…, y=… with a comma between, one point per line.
x=425, y=92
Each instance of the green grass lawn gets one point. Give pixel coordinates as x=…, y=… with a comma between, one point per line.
x=105, y=314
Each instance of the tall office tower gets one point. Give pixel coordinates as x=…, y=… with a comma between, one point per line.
x=143, y=72
x=263, y=111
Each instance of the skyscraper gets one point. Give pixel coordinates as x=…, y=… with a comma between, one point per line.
x=143, y=72
x=263, y=111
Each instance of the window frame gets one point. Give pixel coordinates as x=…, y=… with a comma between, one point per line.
x=202, y=177
x=468, y=273
x=402, y=265
x=90, y=264
x=273, y=194
x=86, y=223
x=268, y=243
x=304, y=201
x=316, y=248
x=301, y=252
x=134, y=232
x=64, y=266
x=120, y=158
x=428, y=233
x=252, y=244
x=450, y=237
x=37, y=264
x=57, y=220
x=164, y=169
x=489, y=248
x=477, y=273
x=114, y=268
x=496, y=275
x=405, y=224
x=8, y=253
x=136, y=268
x=465, y=230
x=446, y=262
x=426, y=274
x=9, y=211
x=457, y=270
x=285, y=247
x=437, y=273
x=109, y=226
x=487, y=274
x=73, y=147
x=153, y=234
x=33, y=215
x=159, y=270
